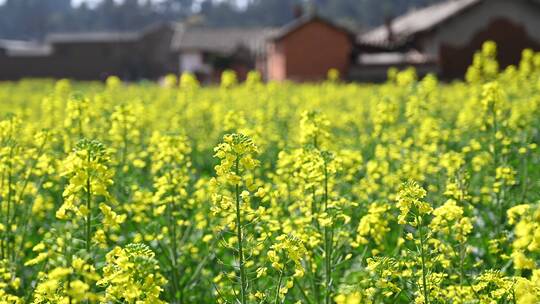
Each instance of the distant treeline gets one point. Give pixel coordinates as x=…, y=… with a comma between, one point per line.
x=32, y=19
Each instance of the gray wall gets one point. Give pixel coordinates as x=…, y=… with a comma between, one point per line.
x=460, y=30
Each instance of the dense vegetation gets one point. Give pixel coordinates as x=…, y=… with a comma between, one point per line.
x=32, y=19
x=408, y=191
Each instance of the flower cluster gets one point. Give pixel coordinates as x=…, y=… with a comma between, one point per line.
x=235, y=154
x=303, y=201
x=410, y=203
x=89, y=175
x=131, y=275
x=448, y=219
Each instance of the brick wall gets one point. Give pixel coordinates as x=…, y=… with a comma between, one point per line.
x=307, y=53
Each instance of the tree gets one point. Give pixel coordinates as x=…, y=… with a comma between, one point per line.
x=33, y=19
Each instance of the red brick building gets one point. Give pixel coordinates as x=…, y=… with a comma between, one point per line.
x=303, y=50
x=306, y=49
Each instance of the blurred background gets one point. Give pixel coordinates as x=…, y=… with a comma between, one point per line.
x=33, y=19
x=297, y=40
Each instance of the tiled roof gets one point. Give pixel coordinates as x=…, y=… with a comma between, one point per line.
x=105, y=36
x=24, y=48
x=185, y=37
x=92, y=37
x=299, y=22
x=227, y=40
x=219, y=40
x=415, y=22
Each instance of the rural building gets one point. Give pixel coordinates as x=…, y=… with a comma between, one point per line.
x=130, y=55
x=307, y=48
x=302, y=50
x=442, y=38
x=207, y=51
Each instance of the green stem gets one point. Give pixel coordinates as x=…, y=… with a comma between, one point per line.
x=9, y=195
x=88, y=210
x=19, y=200
x=314, y=210
x=461, y=264
x=278, y=288
x=30, y=172
x=496, y=161
x=173, y=238
x=423, y=257
x=124, y=145
x=302, y=292
x=69, y=262
x=524, y=174
x=243, y=283
x=327, y=244
x=79, y=121
x=314, y=279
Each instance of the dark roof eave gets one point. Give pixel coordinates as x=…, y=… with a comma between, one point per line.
x=88, y=41
x=203, y=50
x=388, y=46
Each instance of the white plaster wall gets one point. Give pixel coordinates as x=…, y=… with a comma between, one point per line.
x=191, y=62
x=461, y=29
